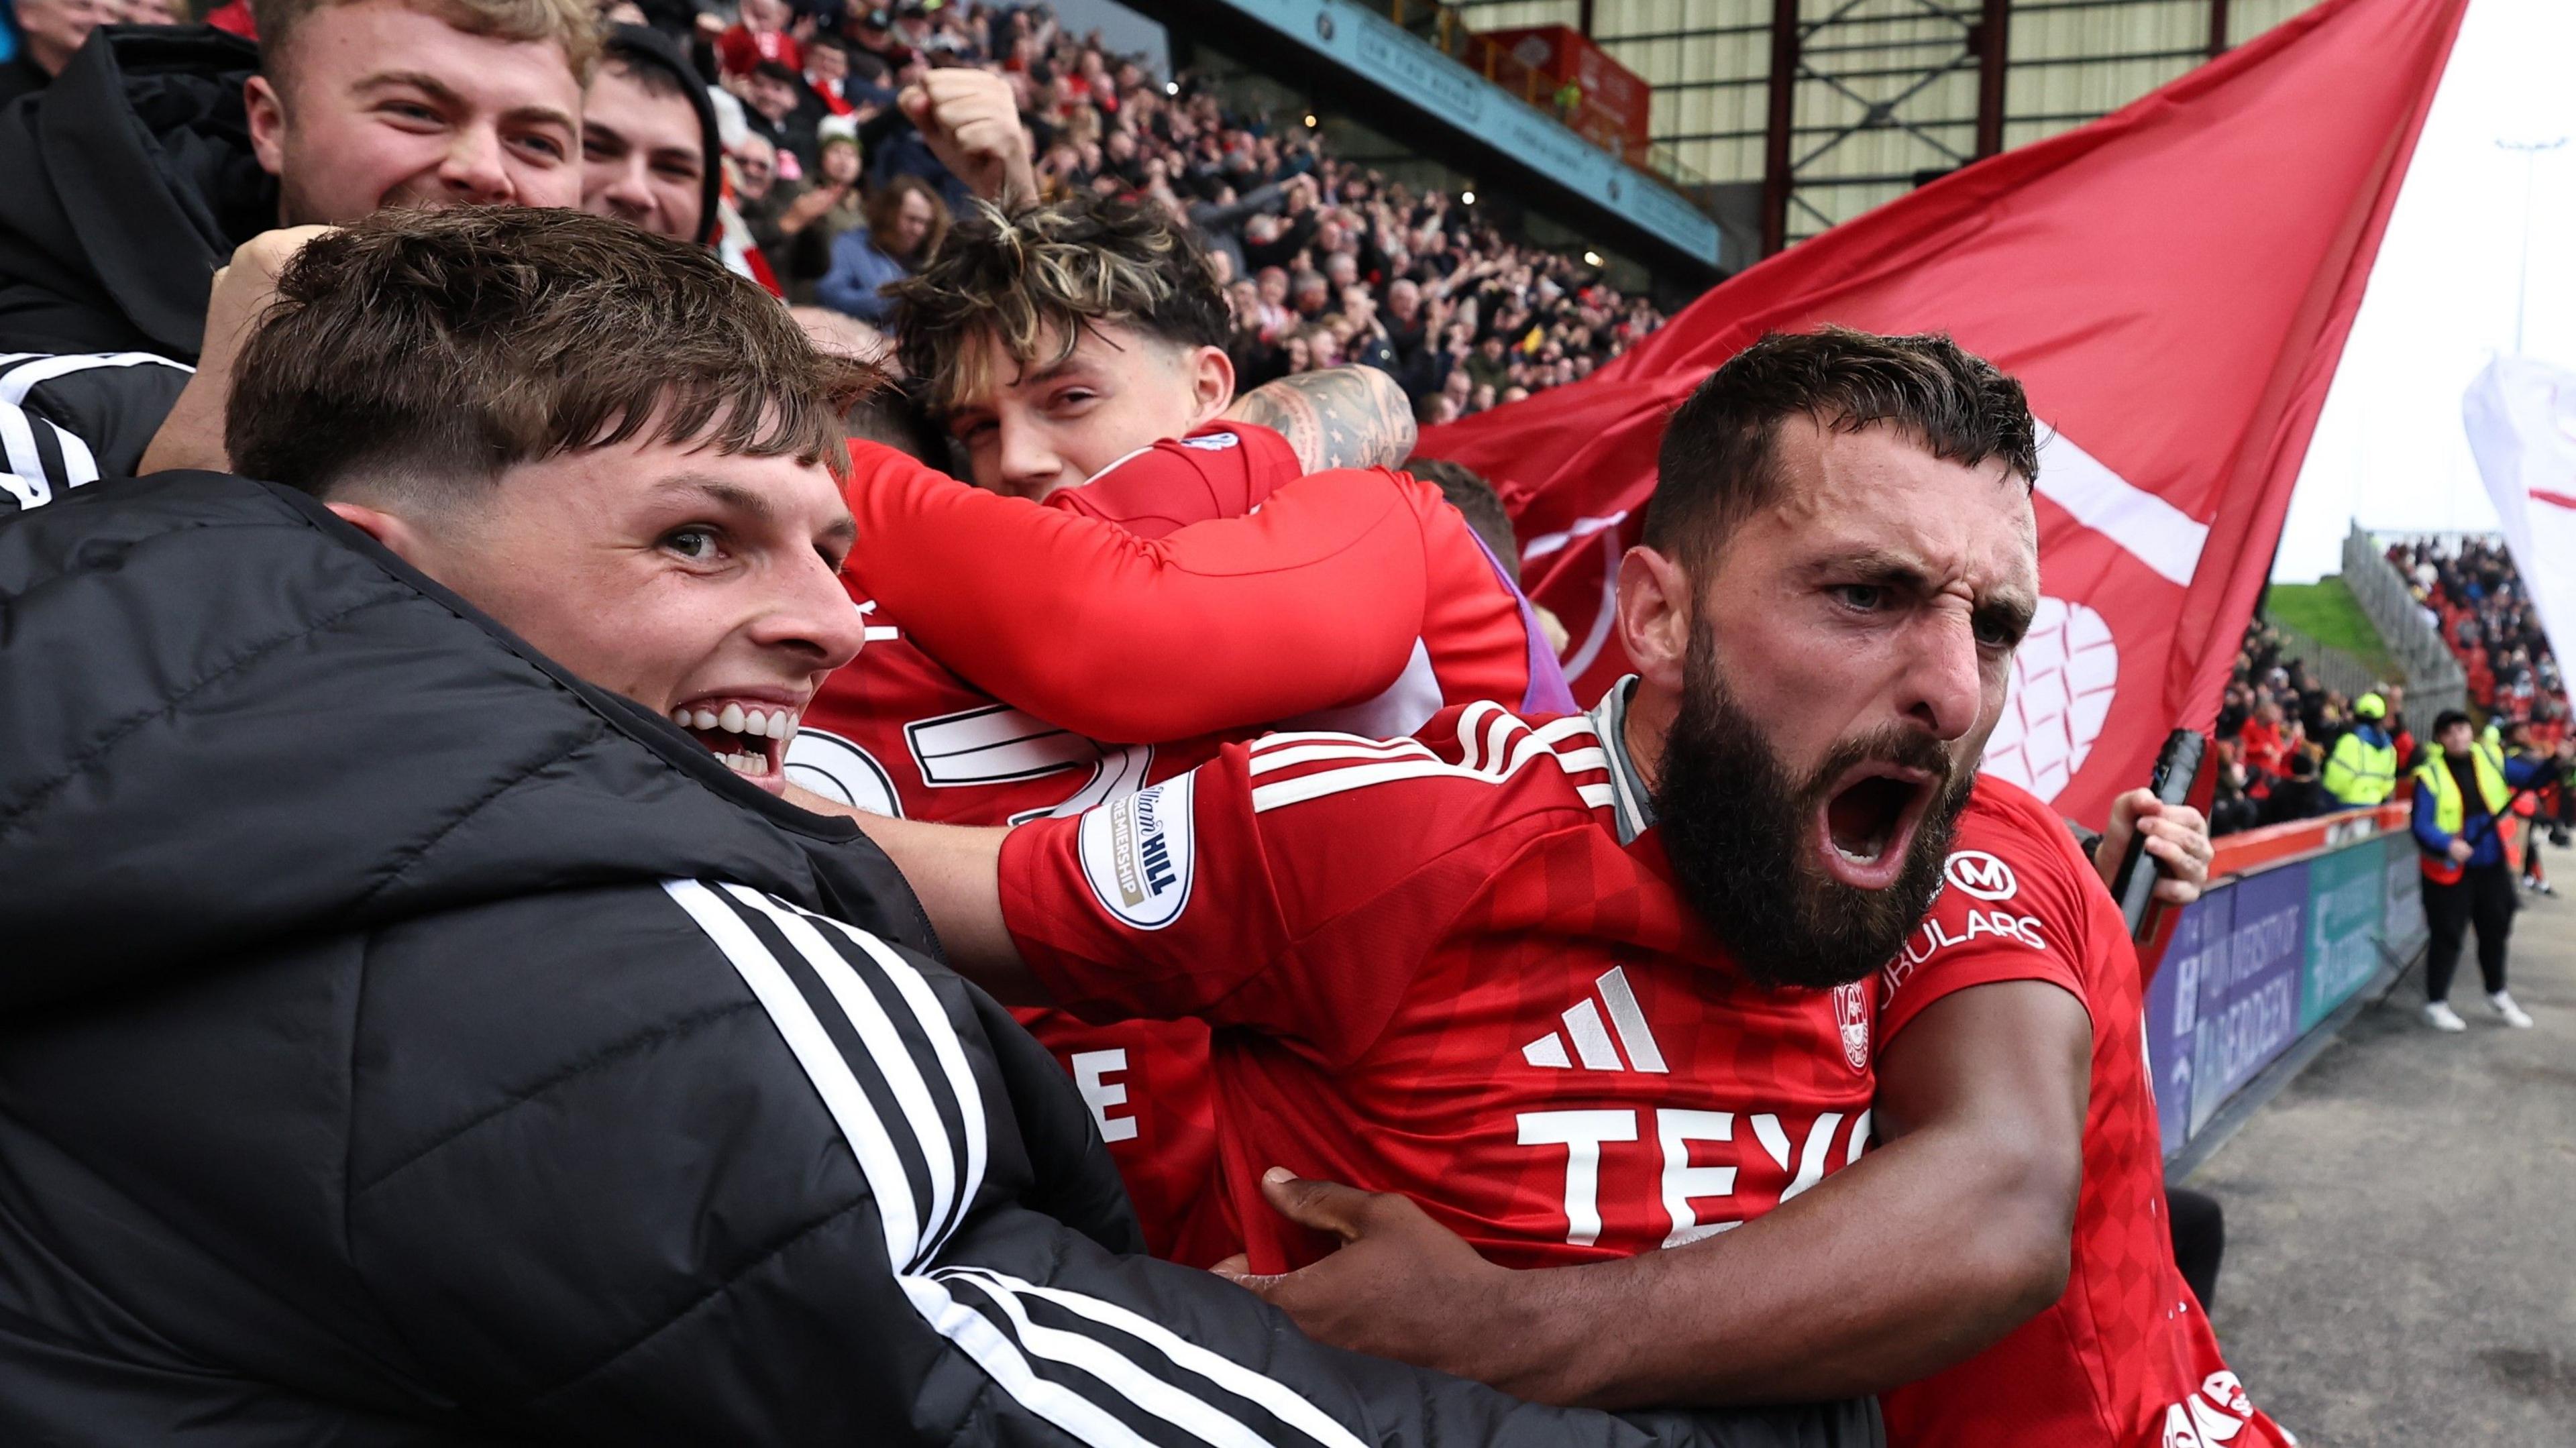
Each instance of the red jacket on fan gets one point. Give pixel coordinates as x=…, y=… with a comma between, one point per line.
x=740, y=49
x=2266, y=752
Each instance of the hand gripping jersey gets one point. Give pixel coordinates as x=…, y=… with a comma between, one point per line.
x=2125, y=1359
x=1359, y=598
x=1454, y=967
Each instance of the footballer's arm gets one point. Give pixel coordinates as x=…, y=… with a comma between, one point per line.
x=1918, y=1255
x=1341, y=417
x=955, y=873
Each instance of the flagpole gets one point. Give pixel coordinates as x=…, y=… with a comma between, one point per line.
x=2522, y=276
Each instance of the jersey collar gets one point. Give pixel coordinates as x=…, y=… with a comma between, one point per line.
x=1630, y=803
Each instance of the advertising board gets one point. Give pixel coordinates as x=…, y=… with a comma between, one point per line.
x=2198, y=948
x=2248, y=1006
x=2344, y=926
x=2263, y=959
x=2401, y=911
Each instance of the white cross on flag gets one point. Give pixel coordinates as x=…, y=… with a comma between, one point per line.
x=2521, y=417
x=2173, y=285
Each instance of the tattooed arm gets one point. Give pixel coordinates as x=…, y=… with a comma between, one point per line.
x=1343, y=417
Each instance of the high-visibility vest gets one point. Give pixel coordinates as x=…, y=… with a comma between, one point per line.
x=2450, y=811
x=2358, y=773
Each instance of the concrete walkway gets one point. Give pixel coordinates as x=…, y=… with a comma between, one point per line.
x=2401, y=1220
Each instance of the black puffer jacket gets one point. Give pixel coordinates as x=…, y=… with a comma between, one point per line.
x=404, y=1043
x=123, y=186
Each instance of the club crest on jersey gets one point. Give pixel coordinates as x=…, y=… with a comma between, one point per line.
x=1974, y=872
x=1851, y=1012
x=1136, y=854
x=1213, y=442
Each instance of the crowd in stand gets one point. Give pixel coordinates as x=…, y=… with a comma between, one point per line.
x=2476, y=601
x=1353, y=269
x=2276, y=724
x=1325, y=262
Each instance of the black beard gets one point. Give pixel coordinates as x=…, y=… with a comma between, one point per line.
x=1736, y=828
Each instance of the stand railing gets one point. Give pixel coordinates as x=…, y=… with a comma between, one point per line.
x=2434, y=680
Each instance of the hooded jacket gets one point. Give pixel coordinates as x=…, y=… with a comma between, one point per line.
x=123, y=186
x=404, y=1042
x=643, y=45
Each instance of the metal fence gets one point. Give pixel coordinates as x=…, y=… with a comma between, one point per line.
x=2333, y=667
x=2434, y=681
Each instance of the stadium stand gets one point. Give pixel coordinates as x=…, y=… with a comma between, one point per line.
x=2276, y=727
x=1327, y=261
x=2476, y=601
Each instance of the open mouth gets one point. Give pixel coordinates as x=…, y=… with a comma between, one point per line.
x=750, y=739
x=1866, y=823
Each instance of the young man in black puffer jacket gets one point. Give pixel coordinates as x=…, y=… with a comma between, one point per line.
x=424, y=1023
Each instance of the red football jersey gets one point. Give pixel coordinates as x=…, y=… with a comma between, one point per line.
x=1457, y=968
x=2125, y=1358
x=999, y=583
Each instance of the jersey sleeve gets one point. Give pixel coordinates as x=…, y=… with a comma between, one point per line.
x=1223, y=471
x=2014, y=906
x=1312, y=602
x=1270, y=888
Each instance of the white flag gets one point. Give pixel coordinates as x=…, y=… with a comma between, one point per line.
x=2521, y=417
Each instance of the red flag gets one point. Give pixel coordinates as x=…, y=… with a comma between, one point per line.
x=2173, y=284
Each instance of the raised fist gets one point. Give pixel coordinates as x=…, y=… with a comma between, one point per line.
x=973, y=126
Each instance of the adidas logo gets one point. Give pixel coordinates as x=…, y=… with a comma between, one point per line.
x=1592, y=1039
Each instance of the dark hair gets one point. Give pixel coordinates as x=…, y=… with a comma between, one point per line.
x=1054, y=272
x=431, y=350
x=777, y=70
x=625, y=57
x=1471, y=495
x=2447, y=718
x=1716, y=466
x=885, y=204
